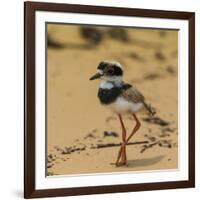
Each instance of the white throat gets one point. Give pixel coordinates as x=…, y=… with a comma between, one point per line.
x=110, y=82
x=114, y=79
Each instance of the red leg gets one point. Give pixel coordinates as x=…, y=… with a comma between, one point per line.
x=137, y=126
x=122, y=152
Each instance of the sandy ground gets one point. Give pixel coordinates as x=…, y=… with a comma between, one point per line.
x=83, y=136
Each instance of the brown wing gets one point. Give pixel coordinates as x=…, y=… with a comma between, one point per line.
x=132, y=94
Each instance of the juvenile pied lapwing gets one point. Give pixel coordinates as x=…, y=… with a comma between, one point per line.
x=122, y=98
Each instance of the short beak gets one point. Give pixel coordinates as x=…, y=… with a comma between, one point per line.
x=96, y=76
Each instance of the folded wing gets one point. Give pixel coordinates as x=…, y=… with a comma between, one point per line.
x=131, y=94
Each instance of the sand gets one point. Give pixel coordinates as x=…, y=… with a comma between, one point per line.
x=83, y=136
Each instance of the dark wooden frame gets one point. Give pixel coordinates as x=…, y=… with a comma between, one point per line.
x=29, y=98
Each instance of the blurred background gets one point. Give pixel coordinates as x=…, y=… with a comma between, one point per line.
x=77, y=125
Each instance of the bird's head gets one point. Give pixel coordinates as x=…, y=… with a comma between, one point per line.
x=108, y=71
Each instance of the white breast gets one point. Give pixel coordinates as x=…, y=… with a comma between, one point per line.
x=121, y=106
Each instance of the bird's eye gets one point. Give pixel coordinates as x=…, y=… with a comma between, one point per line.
x=110, y=71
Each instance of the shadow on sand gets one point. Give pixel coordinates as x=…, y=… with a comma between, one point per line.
x=145, y=161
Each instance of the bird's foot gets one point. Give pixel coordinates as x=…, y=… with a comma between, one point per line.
x=119, y=164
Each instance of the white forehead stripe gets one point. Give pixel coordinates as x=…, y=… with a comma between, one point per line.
x=118, y=65
x=106, y=85
x=114, y=63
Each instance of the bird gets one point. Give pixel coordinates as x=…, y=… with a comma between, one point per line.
x=122, y=98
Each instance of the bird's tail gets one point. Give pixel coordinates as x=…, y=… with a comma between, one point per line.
x=151, y=111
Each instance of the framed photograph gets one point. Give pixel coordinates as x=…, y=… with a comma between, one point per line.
x=109, y=100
